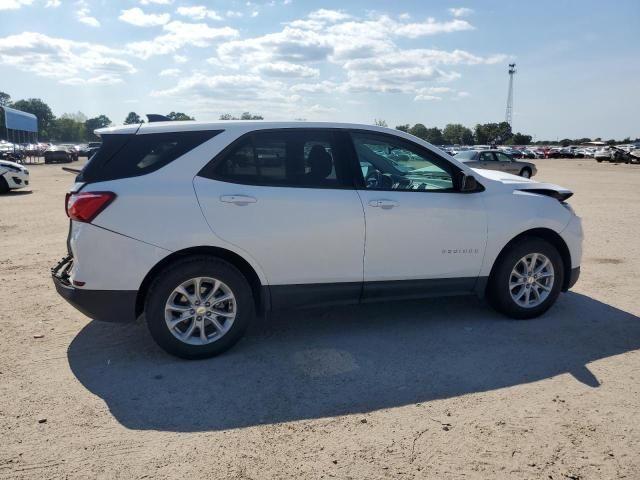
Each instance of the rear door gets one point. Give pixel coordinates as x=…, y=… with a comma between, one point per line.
x=284, y=197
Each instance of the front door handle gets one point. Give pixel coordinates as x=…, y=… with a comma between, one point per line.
x=384, y=203
x=238, y=199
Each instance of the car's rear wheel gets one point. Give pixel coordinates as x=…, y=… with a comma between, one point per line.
x=525, y=172
x=199, y=307
x=527, y=279
x=4, y=186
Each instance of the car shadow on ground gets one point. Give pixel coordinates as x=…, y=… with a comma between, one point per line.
x=322, y=363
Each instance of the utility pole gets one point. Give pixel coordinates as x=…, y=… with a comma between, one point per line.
x=509, y=115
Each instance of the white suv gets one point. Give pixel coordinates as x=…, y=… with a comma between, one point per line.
x=202, y=225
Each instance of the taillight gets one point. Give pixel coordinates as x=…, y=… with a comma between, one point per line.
x=85, y=206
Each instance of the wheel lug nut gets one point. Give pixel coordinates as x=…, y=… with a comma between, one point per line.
x=208, y=314
x=197, y=302
x=192, y=311
x=207, y=304
x=199, y=319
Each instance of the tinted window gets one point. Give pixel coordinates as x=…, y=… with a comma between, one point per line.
x=487, y=157
x=296, y=158
x=389, y=163
x=131, y=155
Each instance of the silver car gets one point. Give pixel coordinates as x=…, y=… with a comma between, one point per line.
x=496, y=160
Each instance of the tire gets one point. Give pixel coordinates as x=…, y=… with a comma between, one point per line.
x=525, y=172
x=599, y=160
x=4, y=186
x=163, y=288
x=499, y=288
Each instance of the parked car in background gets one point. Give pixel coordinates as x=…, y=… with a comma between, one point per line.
x=93, y=147
x=496, y=160
x=12, y=176
x=59, y=153
x=258, y=216
x=602, y=155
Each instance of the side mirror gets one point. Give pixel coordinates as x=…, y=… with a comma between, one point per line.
x=468, y=183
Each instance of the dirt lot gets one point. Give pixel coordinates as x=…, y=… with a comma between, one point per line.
x=436, y=389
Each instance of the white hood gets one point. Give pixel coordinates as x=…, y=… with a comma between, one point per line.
x=521, y=183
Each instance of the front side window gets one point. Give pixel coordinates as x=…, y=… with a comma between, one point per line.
x=502, y=157
x=487, y=157
x=387, y=163
x=295, y=158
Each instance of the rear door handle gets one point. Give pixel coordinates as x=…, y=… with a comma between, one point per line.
x=384, y=203
x=238, y=199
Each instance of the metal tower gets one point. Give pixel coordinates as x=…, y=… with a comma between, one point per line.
x=509, y=115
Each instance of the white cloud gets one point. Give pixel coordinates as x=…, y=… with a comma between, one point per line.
x=83, y=14
x=180, y=58
x=286, y=69
x=156, y=2
x=64, y=60
x=13, y=4
x=427, y=98
x=233, y=14
x=460, y=12
x=198, y=12
x=170, y=72
x=180, y=34
x=282, y=70
x=53, y=3
x=135, y=16
x=330, y=16
x=431, y=27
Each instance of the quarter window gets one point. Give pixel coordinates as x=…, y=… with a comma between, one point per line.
x=300, y=158
x=387, y=163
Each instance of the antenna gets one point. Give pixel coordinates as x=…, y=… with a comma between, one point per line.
x=509, y=115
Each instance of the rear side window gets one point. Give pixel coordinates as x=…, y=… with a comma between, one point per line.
x=293, y=158
x=123, y=156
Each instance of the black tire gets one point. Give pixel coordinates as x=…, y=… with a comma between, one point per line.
x=599, y=160
x=498, y=293
x=181, y=271
x=4, y=186
x=525, y=172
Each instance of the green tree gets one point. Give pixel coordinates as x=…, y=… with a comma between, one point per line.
x=565, y=142
x=179, y=116
x=521, y=139
x=249, y=116
x=497, y=133
x=434, y=136
x=41, y=110
x=227, y=116
x=5, y=99
x=133, y=117
x=456, y=133
x=380, y=123
x=66, y=129
x=95, y=123
x=419, y=130
x=403, y=128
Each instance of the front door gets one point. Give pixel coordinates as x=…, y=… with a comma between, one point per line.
x=422, y=236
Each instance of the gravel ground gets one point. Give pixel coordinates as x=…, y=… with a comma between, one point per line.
x=434, y=389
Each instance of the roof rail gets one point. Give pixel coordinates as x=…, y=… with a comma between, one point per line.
x=154, y=117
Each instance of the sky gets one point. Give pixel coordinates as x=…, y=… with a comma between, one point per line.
x=433, y=62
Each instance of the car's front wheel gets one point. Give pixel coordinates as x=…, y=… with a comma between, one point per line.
x=527, y=279
x=199, y=307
